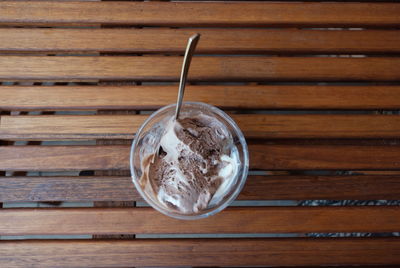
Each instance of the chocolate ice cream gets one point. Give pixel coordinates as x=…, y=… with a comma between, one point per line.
x=193, y=165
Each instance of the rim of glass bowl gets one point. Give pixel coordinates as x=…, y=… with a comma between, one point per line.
x=206, y=212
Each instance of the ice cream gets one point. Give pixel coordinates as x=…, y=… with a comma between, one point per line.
x=193, y=166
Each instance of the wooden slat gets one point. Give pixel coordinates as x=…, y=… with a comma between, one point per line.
x=72, y=127
x=229, y=14
x=200, y=252
x=114, y=203
x=375, y=187
x=43, y=189
x=64, y=157
x=232, y=220
x=219, y=41
x=162, y=68
x=247, y=97
x=253, y=125
x=269, y=157
x=111, y=188
x=72, y=189
x=347, y=157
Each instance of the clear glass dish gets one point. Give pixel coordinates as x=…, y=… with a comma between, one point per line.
x=150, y=133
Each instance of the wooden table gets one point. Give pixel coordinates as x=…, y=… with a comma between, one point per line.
x=314, y=86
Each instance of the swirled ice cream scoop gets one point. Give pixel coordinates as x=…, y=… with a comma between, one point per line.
x=196, y=162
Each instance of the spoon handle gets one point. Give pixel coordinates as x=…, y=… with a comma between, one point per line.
x=192, y=42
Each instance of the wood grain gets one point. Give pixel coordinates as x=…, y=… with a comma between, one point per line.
x=268, y=157
x=219, y=41
x=114, y=203
x=113, y=188
x=201, y=252
x=50, y=127
x=205, y=14
x=64, y=157
x=232, y=220
x=203, y=68
x=70, y=189
x=71, y=127
x=374, y=187
x=242, y=97
x=319, y=157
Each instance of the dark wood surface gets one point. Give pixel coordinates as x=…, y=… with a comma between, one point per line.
x=151, y=97
x=218, y=41
x=231, y=220
x=317, y=103
x=63, y=127
x=203, y=68
x=283, y=187
x=267, y=157
x=64, y=157
x=324, y=157
x=202, y=252
x=221, y=14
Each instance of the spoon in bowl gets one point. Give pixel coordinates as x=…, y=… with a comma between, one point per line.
x=192, y=42
x=191, y=46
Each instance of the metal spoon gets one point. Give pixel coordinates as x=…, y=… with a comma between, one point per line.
x=192, y=42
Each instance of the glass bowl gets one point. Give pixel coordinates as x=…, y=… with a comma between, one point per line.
x=150, y=134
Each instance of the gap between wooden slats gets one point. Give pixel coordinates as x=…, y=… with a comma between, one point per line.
x=253, y=125
x=201, y=252
x=262, y=156
x=193, y=14
x=203, y=68
x=240, y=97
x=113, y=188
x=114, y=203
x=219, y=41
